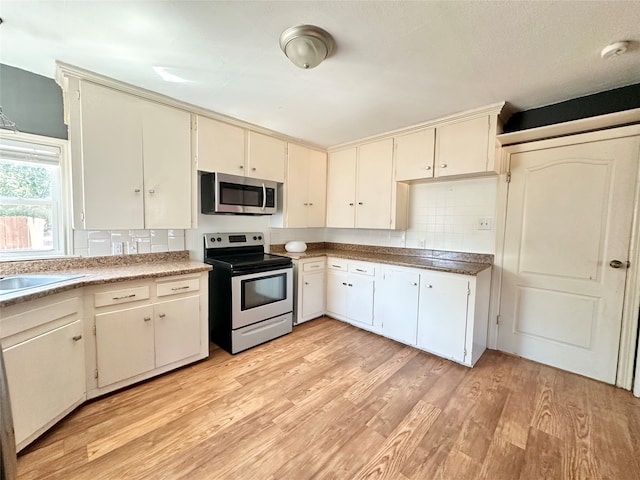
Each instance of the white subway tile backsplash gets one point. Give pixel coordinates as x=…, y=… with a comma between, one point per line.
x=144, y=245
x=126, y=242
x=159, y=237
x=99, y=247
x=176, y=244
x=159, y=248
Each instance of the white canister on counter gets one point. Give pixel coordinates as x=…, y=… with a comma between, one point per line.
x=295, y=246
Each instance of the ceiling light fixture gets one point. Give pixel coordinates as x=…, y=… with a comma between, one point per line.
x=306, y=45
x=614, y=49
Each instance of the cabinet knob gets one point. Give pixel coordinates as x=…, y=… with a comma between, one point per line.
x=253, y=169
x=415, y=284
x=306, y=204
x=147, y=319
x=311, y=204
x=241, y=167
x=428, y=286
x=351, y=204
x=351, y=284
x=428, y=167
x=162, y=315
x=76, y=338
x=136, y=190
x=360, y=203
x=306, y=283
x=152, y=191
x=443, y=165
x=344, y=283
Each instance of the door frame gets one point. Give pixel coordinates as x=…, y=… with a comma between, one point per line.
x=631, y=303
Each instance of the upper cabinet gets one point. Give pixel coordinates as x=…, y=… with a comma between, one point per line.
x=225, y=148
x=305, y=187
x=361, y=192
x=131, y=161
x=461, y=146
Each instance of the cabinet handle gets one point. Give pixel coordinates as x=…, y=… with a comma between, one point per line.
x=136, y=190
x=428, y=285
x=241, y=167
x=162, y=315
x=314, y=266
x=76, y=338
x=180, y=288
x=344, y=283
x=147, y=319
x=428, y=167
x=360, y=203
x=443, y=165
x=360, y=270
x=123, y=297
x=351, y=284
x=351, y=204
x=336, y=266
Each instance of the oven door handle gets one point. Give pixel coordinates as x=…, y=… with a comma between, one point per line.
x=264, y=197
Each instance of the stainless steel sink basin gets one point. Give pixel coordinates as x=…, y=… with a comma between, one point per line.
x=13, y=283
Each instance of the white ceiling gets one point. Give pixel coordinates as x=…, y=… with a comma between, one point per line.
x=397, y=63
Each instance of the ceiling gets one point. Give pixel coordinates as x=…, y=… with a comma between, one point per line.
x=397, y=63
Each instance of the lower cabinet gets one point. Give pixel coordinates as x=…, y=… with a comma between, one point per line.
x=396, y=304
x=309, y=298
x=350, y=291
x=146, y=328
x=43, y=348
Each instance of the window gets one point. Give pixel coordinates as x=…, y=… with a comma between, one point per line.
x=32, y=201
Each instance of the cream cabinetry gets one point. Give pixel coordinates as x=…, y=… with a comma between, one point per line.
x=396, y=303
x=305, y=188
x=310, y=279
x=415, y=153
x=463, y=147
x=350, y=291
x=145, y=328
x=131, y=161
x=226, y=148
x=43, y=347
x=360, y=188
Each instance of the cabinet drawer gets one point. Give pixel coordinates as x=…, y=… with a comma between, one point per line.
x=116, y=297
x=362, y=268
x=178, y=286
x=338, y=264
x=313, y=266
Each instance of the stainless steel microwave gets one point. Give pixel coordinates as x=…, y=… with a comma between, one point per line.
x=224, y=193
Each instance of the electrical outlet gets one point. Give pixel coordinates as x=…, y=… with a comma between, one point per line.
x=116, y=248
x=485, y=223
x=132, y=247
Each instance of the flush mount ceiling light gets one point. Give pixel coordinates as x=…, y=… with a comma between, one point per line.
x=306, y=45
x=614, y=49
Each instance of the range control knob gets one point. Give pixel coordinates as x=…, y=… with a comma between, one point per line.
x=255, y=238
x=260, y=237
x=219, y=239
x=213, y=239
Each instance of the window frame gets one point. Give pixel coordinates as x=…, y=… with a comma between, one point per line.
x=62, y=217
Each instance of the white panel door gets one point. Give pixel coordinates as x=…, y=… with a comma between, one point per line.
x=167, y=166
x=177, y=330
x=221, y=147
x=463, y=147
x=360, y=298
x=373, y=188
x=266, y=157
x=396, y=305
x=297, y=192
x=341, y=188
x=317, y=188
x=312, y=298
x=337, y=290
x=569, y=215
x=414, y=155
x=111, y=159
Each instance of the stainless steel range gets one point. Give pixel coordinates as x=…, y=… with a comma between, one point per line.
x=250, y=292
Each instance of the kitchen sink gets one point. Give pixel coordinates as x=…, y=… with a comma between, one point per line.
x=12, y=283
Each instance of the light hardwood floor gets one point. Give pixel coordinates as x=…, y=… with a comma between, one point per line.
x=331, y=401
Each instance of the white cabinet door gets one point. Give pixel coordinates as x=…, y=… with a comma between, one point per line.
x=166, y=137
x=360, y=298
x=111, y=167
x=341, y=182
x=46, y=376
x=177, y=330
x=317, y=189
x=337, y=289
x=297, y=196
x=414, y=155
x=463, y=147
x=396, y=305
x=312, y=295
x=221, y=147
x=266, y=157
x=374, y=182
x=124, y=343
x=442, y=316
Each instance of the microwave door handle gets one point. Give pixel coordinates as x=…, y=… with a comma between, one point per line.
x=264, y=197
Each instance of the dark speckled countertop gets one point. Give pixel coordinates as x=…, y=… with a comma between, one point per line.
x=440, y=260
x=97, y=271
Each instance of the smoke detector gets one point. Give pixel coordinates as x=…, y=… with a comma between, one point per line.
x=614, y=49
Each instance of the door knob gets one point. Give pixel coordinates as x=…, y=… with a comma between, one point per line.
x=619, y=264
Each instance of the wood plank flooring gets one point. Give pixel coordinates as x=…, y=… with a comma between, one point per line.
x=331, y=401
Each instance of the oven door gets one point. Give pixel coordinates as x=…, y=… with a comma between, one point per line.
x=259, y=296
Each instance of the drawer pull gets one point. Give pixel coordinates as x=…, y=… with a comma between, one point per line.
x=162, y=315
x=336, y=266
x=76, y=338
x=361, y=270
x=314, y=266
x=147, y=319
x=124, y=296
x=186, y=287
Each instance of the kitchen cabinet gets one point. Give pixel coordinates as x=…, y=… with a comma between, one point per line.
x=360, y=188
x=305, y=188
x=131, y=161
x=415, y=153
x=463, y=147
x=309, y=298
x=144, y=328
x=453, y=315
x=350, y=291
x=222, y=147
x=43, y=347
x=396, y=303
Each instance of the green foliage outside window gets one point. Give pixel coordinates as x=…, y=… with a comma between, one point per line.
x=20, y=181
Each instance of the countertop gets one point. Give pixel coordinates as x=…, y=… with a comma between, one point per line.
x=97, y=271
x=439, y=260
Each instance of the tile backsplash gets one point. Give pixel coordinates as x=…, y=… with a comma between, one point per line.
x=96, y=243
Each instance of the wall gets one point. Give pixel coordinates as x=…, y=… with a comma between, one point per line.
x=33, y=102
